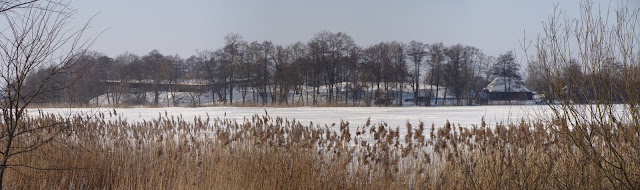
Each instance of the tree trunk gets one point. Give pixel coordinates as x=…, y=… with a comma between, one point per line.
x=5, y=159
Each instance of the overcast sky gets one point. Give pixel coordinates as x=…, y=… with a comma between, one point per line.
x=182, y=27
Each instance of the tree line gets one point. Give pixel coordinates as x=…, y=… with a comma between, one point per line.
x=328, y=69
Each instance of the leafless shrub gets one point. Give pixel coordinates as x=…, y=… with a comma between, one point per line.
x=37, y=35
x=596, y=103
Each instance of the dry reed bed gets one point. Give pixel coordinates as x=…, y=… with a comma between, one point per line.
x=272, y=153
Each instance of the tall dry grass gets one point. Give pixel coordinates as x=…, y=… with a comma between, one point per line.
x=263, y=152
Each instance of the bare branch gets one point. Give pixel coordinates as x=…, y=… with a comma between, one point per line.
x=18, y=5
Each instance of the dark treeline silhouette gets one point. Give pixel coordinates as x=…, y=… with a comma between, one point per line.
x=579, y=83
x=329, y=69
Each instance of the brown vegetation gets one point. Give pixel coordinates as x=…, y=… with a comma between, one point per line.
x=591, y=145
x=272, y=153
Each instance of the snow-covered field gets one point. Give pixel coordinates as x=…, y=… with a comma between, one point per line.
x=357, y=116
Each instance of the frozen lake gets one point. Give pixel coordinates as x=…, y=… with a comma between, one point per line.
x=357, y=116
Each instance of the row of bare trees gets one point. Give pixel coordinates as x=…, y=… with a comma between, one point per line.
x=330, y=68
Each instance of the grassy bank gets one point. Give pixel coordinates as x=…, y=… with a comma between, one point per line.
x=272, y=153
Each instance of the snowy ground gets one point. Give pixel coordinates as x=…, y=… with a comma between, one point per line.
x=357, y=116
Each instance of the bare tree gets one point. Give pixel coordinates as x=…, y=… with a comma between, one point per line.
x=230, y=57
x=398, y=58
x=209, y=65
x=332, y=50
x=507, y=67
x=90, y=86
x=606, y=128
x=175, y=71
x=38, y=35
x=417, y=52
x=122, y=71
x=157, y=67
x=300, y=52
x=477, y=72
x=436, y=62
x=457, y=70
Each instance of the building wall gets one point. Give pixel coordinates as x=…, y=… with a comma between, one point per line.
x=510, y=96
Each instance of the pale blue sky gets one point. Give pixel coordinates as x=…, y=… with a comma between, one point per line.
x=182, y=27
